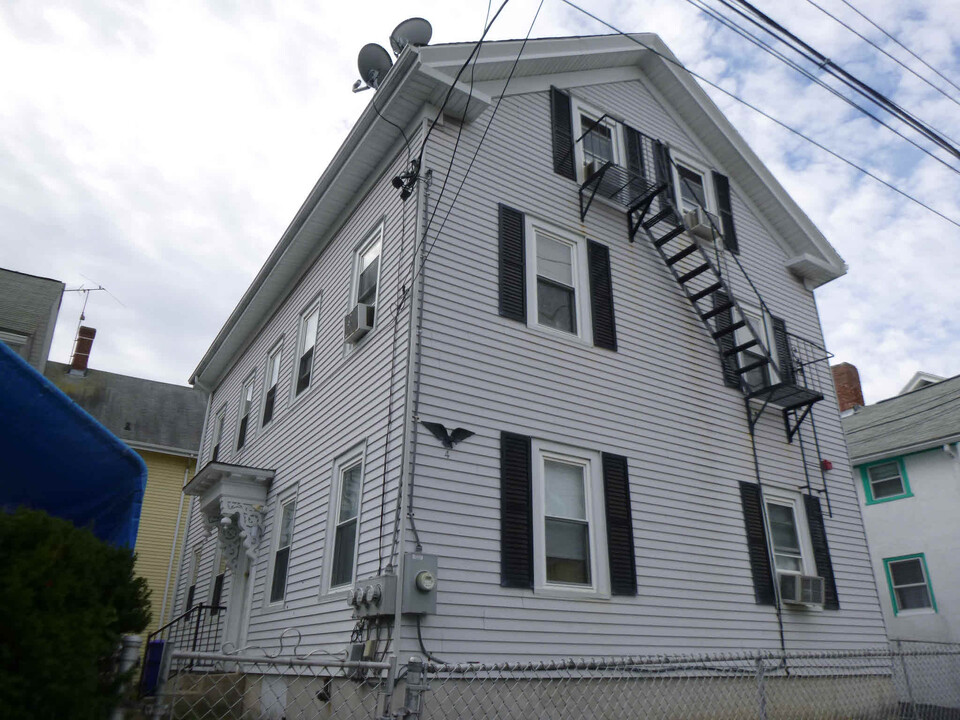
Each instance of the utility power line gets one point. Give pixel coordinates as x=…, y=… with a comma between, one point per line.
x=880, y=49
x=894, y=39
x=757, y=110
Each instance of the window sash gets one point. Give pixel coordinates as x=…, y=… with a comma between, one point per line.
x=597, y=144
x=567, y=532
x=886, y=480
x=785, y=539
x=218, y=436
x=911, y=594
x=345, y=529
x=692, y=187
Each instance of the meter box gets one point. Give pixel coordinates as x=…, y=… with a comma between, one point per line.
x=374, y=596
x=419, y=584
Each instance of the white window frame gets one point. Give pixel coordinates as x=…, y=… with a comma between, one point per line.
x=193, y=577
x=218, y=430
x=580, y=108
x=580, y=275
x=599, y=586
x=762, y=322
x=250, y=382
x=794, y=501
x=311, y=308
x=350, y=459
x=275, y=351
x=283, y=499
x=709, y=194
x=370, y=239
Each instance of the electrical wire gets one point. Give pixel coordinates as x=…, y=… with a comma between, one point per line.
x=894, y=39
x=423, y=648
x=763, y=113
x=483, y=137
x=880, y=49
x=733, y=26
x=456, y=79
x=809, y=53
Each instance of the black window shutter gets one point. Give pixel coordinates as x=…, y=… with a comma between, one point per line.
x=664, y=173
x=784, y=357
x=821, y=551
x=562, y=123
x=635, y=162
x=722, y=185
x=516, y=512
x=727, y=342
x=757, y=543
x=601, y=296
x=513, y=280
x=616, y=498
x=217, y=593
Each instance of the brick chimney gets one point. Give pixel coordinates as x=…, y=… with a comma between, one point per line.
x=81, y=350
x=847, y=380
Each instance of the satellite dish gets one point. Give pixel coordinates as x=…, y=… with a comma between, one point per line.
x=374, y=63
x=415, y=31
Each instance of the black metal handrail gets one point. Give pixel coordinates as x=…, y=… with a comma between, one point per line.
x=197, y=630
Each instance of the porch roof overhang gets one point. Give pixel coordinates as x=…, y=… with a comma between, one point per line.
x=216, y=480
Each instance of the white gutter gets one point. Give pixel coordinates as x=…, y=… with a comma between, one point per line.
x=907, y=449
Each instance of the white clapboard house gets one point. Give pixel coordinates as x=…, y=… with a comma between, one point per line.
x=575, y=405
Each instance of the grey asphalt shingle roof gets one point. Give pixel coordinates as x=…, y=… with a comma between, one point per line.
x=134, y=409
x=918, y=418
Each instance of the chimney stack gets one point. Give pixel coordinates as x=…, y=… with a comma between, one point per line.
x=847, y=381
x=81, y=350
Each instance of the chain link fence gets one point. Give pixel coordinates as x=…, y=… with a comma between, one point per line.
x=904, y=682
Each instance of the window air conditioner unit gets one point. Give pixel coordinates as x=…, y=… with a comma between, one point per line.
x=697, y=221
x=358, y=322
x=801, y=589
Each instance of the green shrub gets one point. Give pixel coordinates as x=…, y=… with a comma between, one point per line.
x=66, y=598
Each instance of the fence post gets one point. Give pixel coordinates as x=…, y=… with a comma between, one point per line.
x=761, y=689
x=389, y=683
x=906, y=680
x=160, y=696
x=129, y=656
x=416, y=684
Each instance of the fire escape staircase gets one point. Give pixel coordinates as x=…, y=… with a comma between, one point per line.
x=765, y=380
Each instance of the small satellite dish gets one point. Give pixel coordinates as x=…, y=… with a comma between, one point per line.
x=415, y=31
x=374, y=63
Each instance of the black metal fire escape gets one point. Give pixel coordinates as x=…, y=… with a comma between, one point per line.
x=783, y=376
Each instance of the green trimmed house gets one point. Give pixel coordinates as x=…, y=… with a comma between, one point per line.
x=906, y=455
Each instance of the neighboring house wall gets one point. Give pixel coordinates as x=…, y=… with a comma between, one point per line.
x=925, y=522
x=28, y=314
x=353, y=392
x=659, y=400
x=162, y=528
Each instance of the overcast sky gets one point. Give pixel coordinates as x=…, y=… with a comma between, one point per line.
x=161, y=148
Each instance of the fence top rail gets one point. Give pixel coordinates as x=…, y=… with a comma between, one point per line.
x=279, y=660
x=600, y=663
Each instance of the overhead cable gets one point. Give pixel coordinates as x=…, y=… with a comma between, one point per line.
x=894, y=39
x=757, y=110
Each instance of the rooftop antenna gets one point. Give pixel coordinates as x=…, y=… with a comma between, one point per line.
x=374, y=63
x=86, y=297
x=415, y=31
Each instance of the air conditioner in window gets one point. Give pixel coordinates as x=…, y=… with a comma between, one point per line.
x=698, y=222
x=801, y=589
x=358, y=322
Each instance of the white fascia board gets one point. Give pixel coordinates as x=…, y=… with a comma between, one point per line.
x=905, y=450
x=736, y=156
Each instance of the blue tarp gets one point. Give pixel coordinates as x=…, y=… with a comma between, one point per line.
x=57, y=458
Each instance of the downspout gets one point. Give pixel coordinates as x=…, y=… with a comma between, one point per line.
x=186, y=531
x=411, y=401
x=173, y=550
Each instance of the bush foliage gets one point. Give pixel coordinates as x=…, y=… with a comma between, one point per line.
x=66, y=598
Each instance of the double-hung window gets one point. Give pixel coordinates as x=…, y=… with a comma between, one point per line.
x=218, y=425
x=909, y=583
x=345, y=500
x=557, y=286
x=281, y=552
x=600, y=140
x=270, y=384
x=216, y=594
x=309, y=321
x=790, y=542
x=886, y=480
x=367, y=272
x=246, y=408
x=569, y=529
x=762, y=323
x=691, y=188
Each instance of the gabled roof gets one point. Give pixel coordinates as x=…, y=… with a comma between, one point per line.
x=919, y=420
x=145, y=414
x=919, y=380
x=424, y=75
